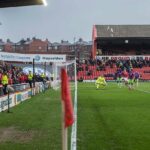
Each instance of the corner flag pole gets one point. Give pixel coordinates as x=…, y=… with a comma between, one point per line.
x=67, y=108
x=64, y=131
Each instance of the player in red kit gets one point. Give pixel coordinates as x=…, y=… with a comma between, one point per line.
x=125, y=77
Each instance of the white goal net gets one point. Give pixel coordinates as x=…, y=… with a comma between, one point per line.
x=70, y=68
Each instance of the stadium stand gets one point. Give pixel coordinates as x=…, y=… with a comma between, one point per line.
x=91, y=69
x=118, y=40
x=15, y=75
x=121, y=40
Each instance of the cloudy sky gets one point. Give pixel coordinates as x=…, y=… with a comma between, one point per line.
x=66, y=19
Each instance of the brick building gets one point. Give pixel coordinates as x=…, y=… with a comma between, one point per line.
x=9, y=46
x=2, y=44
x=32, y=46
x=81, y=49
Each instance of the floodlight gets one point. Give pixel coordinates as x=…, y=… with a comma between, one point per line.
x=45, y=2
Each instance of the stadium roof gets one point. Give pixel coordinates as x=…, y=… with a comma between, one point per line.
x=16, y=3
x=122, y=31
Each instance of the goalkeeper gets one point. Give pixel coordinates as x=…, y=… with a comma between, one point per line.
x=100, y=82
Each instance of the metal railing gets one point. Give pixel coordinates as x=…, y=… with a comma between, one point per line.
x=16, y=88
x=24, y=86
x=20, y=87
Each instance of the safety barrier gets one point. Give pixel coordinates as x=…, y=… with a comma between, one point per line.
x=21, y=93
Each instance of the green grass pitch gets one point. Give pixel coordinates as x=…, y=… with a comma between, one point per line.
x=110, y=119
x=114, y=118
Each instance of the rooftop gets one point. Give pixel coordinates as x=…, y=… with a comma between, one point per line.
x=123, y=30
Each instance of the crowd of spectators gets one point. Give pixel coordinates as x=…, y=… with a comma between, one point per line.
x=103, y=64
x=15, y=75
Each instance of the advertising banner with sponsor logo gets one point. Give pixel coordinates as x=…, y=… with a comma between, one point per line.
x=22, y=96
x=14, y=99
x=29, y=93
x=18, y=98
x=29, y=57
x=4, y=102
x=141, y=57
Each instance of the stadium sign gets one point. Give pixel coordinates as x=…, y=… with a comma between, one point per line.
x=29, y=57
x=141, y=57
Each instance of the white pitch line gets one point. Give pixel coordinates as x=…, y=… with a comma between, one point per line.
x=74, y=127
x=143, y=91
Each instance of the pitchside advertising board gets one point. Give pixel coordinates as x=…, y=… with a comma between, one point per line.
x=39, y=58
x=141, y=57
x=14, y=99
x=22, y=96
x=4, y=102
x=18, y=97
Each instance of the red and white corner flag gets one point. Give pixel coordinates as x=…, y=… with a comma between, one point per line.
x=67, y=108
x=66, y=97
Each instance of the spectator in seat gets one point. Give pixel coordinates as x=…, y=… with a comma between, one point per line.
x=81, y=79
x=25, y=78
x=10, y=81
x=86, y=68
x=22, y=78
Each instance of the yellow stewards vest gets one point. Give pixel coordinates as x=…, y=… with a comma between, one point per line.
x=4, y=79
x=43, y=75
x=30, y=76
